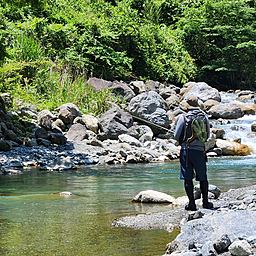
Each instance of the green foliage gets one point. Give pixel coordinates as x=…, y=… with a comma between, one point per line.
x=50, y=47
x=220, y=35
x=54, y=86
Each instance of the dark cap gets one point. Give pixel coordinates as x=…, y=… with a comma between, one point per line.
x=191, y=103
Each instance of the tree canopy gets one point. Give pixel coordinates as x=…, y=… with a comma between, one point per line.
x=172, y=41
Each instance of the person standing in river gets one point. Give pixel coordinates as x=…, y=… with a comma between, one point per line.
x=192, y=155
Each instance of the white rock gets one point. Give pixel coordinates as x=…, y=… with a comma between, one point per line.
x=152, y=196
x=240, y=248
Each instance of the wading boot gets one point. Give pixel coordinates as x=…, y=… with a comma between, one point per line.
x=189, y=188
x=204, y=190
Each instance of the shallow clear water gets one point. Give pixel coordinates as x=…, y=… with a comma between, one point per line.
x=36, y=221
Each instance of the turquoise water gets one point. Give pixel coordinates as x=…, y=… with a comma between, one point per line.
x=36, y=220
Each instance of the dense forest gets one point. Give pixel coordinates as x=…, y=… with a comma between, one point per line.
x=48, y=49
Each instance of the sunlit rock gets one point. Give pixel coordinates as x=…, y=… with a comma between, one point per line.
x=232, y=148
x=152, y=196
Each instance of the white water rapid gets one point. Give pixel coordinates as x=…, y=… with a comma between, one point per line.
x=241, y=127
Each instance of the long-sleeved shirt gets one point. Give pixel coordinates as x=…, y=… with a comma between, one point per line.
x=180, y=129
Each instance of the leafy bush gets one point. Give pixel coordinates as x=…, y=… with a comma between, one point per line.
x=50, y=47
x=220, y=35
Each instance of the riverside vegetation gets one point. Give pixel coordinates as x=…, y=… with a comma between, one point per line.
x=56, y=114
x=50, y=48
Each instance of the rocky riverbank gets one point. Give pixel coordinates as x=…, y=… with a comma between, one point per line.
x=141, y=132
x=228, y=229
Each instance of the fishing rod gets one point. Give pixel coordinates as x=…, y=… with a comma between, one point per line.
x=143, y=120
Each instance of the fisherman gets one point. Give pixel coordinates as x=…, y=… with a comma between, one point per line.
x=192, y=154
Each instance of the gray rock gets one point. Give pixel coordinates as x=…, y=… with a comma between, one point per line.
x=41, y=133
x=31, y=142
x=203, y=92
x=44, y=142
x=249, y=194
x=123, y=90
x=115, y=122
x=138, y=87
x=28, y=112
x=212, y=189
x=58, y=138
x=151, y=196
x=166, y=92
x=173, y=101
x=68, y=112
x=253, y=127
x=77, y=132
x=222, y=244
x=91, y=123
x=117, y=87
x=244, y=92
x=240, y=248
x=146, y=137
x=10, y=135
x=45, y=119
x=153, y=86
x=59, y=124
x=151, y=107
x=15, y=163
x=134, y=131
x=226, y=111
x=132, y=159
x=125, y=138
x=208, y=249
x=213, y=226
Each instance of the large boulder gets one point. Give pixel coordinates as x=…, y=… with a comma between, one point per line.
x=246, y=108
x=210, y=103
x=115, y=122
x=240, y=248
x=117, y=87
x=138, y=87
x=151, y=107
x=89, y=121
x=166, y=92
x=211, y=228
x=232, y=148
x=203, y=92
x=45, y=119
x=68, y=112
x=152, y=196
x=230, y=110
x=125, y=138
x=77, y=132
x=154, y=86
x=173, y=101
x=58, y=139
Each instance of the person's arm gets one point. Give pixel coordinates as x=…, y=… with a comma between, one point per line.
x=179, y=128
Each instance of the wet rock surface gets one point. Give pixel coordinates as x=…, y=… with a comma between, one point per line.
x=228, y=229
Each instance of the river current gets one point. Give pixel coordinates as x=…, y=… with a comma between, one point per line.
x=36, y=220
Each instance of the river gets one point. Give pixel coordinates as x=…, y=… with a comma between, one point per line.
x=36, y=220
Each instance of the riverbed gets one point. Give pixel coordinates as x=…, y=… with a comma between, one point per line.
x=37, y=220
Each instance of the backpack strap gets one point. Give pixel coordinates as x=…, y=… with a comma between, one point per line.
x=192, y=136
